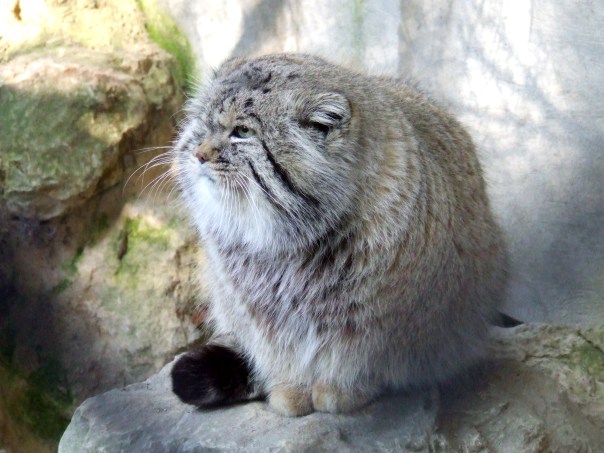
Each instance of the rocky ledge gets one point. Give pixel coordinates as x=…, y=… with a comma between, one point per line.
x=542, y=391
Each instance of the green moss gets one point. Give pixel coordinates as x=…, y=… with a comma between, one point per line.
x=100, y=225
x=45, y=164
x=70, y=270
x=590, y=356
x=103, y=221
x=71, y=267
x=41, y=401
x=591, y=360
x=43, y=414
x=174, y=223
x=45, y=408
x=136, y=244
x=139, y=230
x=164, y=31
x=61, y=286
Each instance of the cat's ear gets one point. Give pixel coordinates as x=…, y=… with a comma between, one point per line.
x=326, y=111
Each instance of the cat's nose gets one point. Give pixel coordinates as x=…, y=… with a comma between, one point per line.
x=204, y=152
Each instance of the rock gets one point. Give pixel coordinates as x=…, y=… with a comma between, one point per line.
x=107, y=290
x=101, y=298
x=544, y=391
x=96, y=283
x=31, y=416
x=96, y=24
x=97, y=270
x=70, y=115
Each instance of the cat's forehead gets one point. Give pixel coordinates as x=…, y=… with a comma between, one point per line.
x=265, y=86
x=252, y=86
x=261, y=74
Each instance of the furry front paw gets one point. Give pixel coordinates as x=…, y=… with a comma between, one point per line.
x=327, y=398
x=290, y=401
x=211, y=376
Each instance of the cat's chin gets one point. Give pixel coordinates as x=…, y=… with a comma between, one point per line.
x=238, y=231
x=238, y=226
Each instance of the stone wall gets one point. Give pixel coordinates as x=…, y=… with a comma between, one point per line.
x=96, y=286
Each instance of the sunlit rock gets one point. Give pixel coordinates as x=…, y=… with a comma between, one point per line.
x=70, y=115
x=542, y=392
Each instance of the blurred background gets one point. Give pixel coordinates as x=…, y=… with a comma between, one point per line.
x=97, y=262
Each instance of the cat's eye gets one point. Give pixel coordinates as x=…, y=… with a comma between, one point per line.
x=323, y=129
x=243, y=132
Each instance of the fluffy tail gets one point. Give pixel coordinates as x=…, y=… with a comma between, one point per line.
x=213, y=375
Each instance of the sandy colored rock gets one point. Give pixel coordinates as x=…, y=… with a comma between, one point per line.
x=68, y=117
x=95, y=24
x=543, y=391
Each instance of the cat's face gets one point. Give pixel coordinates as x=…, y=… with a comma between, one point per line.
x=266, y=156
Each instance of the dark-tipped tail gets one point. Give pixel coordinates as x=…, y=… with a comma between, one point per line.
x=211, y=376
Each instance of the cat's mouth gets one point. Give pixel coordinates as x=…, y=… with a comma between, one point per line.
x=219, y=177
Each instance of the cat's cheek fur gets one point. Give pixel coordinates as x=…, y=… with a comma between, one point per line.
x=206, y=204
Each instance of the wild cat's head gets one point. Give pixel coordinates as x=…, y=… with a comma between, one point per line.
x=266, y=155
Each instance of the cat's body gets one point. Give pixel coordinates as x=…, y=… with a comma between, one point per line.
x=349, y=238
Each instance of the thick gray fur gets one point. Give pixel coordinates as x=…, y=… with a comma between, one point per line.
x=350, y=242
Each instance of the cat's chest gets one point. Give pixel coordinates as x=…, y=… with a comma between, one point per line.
x=260, y=281
x=277, y=291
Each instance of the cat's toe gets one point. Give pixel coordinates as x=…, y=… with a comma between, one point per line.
x=290, y=401
x=211, y=376
x=327, y=398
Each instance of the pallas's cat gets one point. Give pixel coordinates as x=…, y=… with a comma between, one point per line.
x=349, y=239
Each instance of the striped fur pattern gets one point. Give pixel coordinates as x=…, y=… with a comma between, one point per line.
x=350, y=241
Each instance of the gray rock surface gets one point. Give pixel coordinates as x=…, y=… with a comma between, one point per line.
x=543, y=391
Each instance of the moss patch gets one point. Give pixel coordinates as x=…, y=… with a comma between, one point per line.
x=142, y=235
x=33, y=404
x=136, y=245
x=590, y=357
x=101, y=225
x=45, y=402
x=591, y=360
x=70, y=271
x=163, y=30
x=39, y=402
x=60, y=287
